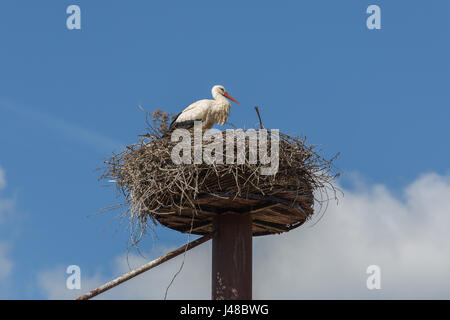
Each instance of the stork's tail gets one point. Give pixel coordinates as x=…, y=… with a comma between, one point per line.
x=188, y=124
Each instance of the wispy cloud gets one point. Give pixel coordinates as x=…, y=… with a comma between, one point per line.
x=407, y=238
x=6, y=264
x=63, y=127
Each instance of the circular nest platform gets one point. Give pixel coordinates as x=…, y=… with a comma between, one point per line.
x=186, y=197
x=270, y=214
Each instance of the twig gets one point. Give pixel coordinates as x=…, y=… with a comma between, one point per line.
x=142, y=109
x=182, y=263
x=143, y=268
x=259, y=116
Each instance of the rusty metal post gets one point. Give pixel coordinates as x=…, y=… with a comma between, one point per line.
x=232, y=257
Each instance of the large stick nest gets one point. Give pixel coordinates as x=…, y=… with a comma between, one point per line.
x=156, y=188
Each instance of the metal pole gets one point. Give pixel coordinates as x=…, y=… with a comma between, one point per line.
x=232, y=257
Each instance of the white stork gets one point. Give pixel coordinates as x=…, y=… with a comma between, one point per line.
x=207, y=111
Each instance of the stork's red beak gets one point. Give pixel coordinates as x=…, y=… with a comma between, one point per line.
x=230, y=97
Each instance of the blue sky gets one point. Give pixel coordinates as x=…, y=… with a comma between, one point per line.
x=68, y=98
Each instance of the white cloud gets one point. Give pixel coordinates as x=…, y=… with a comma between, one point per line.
x=53, y=283
x=192, y=282
x=407, y=236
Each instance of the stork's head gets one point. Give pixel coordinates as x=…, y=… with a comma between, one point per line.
x=220, y=91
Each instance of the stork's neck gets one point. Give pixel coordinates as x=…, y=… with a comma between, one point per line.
x=220, y=98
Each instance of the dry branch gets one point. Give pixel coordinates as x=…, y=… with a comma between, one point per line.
x=144, y=268
x=259, y=117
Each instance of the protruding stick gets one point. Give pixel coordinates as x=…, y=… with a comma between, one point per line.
x=259, y=117
x=144, y=268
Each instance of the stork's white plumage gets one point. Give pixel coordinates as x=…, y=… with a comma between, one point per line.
x=208, y=111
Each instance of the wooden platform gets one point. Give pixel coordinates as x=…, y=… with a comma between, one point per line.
x=274, y=214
